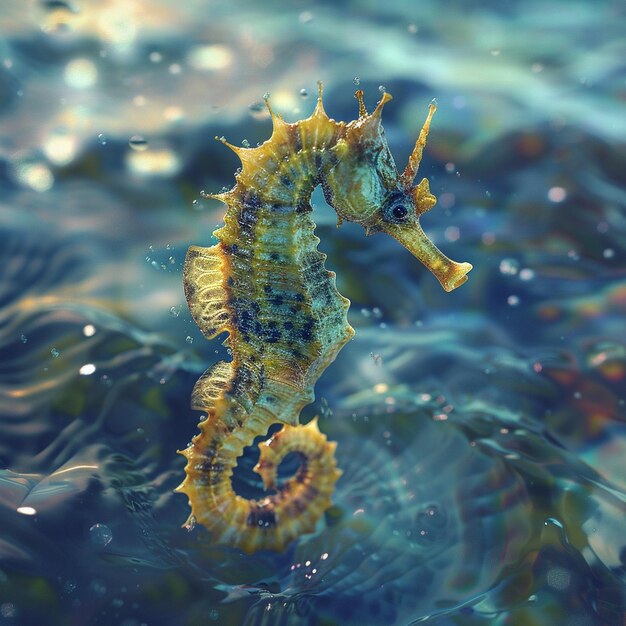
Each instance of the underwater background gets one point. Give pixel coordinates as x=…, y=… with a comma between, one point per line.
x=482, y=433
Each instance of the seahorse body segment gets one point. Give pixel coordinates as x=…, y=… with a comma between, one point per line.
x=265, y=284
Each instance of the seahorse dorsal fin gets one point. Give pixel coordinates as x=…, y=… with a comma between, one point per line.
x=368, y=125
x=279, y=126
x=319, y=106
x=376, y=114
x=359, y=96
x=222, y=197
x=236, y=149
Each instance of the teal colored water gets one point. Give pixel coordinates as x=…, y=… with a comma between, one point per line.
x=482, y=433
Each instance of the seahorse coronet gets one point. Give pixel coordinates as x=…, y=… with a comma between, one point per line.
x=265, y=284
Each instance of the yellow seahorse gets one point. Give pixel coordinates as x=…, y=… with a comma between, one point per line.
x=266, y=285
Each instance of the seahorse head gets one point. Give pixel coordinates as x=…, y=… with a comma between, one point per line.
x=364, y=186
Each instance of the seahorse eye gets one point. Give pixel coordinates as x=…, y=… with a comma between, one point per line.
x=396, y=208
x=400, y=211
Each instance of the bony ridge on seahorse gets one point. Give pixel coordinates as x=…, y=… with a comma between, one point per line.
x=266, y=285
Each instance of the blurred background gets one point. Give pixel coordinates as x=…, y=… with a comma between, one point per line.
x=481, y=433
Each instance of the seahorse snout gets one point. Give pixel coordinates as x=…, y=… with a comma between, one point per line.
x=449, y=273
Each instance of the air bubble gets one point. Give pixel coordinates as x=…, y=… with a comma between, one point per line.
x=98, y=587
x=258, y=110
x=23, y=338
x=137, y=142
x=526, y=274
x=174, y=311
x=557, y=194
x=572, y=254
x=554, y=522
x=55, y=353
x=189, y=339
x=382, y=88
x=509, y=267
x=356, y=80
x=69, y=587
x=102, y=139
x=100, y=535
x=378, y=360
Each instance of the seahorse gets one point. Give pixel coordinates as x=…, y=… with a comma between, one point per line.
x=266, y=285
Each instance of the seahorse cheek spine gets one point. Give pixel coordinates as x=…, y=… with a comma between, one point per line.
x=265, y=284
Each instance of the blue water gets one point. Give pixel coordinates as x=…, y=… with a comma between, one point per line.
x=482, y=433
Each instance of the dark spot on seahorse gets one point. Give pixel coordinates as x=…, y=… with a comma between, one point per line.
x=298, y=505
x=238, y=251
x=267, y=288
x=306, y=332
x=296, y=140
x=286, y=181
x=274, y=256
x=277, y=300
x=252, y=200
x=329, y=196
x=298, y=297
x=190, y=289
x=210, y=472
x=288, y=325
x=203, y=465
x=247, y=219
x=230, y=281
x=264, y=517
x=272, y=333
x=243, y=380
x=303, y=205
